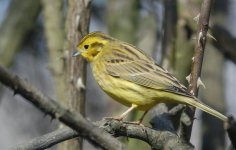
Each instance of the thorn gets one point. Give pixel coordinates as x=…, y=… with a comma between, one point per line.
x=77, y=19
x=51, y=119
x=80, y=84
x=199, y=37
x=188, y=78
x=192, y=92
x=50, y=116
x=15, y=90
x=210, y=36
x=199, y=82
x=197, y=18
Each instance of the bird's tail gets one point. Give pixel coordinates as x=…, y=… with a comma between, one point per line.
x=196, y=103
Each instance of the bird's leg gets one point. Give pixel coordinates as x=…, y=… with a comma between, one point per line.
x=139, y=122
x=123, y=115
x=141, y=119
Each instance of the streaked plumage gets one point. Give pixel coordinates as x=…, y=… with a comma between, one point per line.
x=131, y=77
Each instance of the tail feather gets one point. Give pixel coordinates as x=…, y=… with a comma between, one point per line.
x=196, y=103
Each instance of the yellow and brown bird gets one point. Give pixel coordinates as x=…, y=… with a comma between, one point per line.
x=131, y=77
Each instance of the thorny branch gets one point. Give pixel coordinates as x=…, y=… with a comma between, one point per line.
x=56, y=110
x=156, y=139
x=77, y=25
x=196, y=70
x=198, y=59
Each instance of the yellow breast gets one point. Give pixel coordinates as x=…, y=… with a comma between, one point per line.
x=123, y=91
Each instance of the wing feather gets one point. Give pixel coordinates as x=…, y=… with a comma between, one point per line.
x=140, y=70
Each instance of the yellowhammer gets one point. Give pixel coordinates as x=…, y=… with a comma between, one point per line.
x=132, y=78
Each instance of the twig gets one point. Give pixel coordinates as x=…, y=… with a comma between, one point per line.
x=198, y=59
x=56, y=110
x=47, y=140
x=156, y=139
x=161, y=139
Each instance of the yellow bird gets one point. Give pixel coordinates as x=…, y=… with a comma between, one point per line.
x=131, y=77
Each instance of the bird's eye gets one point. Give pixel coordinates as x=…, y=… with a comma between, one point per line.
x=86, y=46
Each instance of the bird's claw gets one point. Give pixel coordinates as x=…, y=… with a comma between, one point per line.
x=113, y=118
x=135, y=123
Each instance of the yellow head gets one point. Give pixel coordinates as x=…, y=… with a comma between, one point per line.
x=92, y=44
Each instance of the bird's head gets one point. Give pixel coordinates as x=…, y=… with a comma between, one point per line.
x=91, y=45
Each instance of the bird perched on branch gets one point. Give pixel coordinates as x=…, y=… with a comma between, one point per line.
x=132, y=78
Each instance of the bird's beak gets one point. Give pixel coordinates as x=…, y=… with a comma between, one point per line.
x=76, y=53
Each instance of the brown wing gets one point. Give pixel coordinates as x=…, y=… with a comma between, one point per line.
x=130, y=64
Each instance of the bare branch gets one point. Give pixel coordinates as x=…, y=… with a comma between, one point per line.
x=156, y=139
x=47, y=140
x=162, y=139
x=200, y=46
x=56, y=110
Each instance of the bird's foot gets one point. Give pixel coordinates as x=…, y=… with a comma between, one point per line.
x=136, y=123
x=115, y=118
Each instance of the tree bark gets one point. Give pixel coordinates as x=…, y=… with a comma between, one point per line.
x=77, y=25
x=198, y=59
x=56, y=110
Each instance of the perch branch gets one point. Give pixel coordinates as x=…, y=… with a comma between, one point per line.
x=84, y=128
x=156, y=139
x=56, y=110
